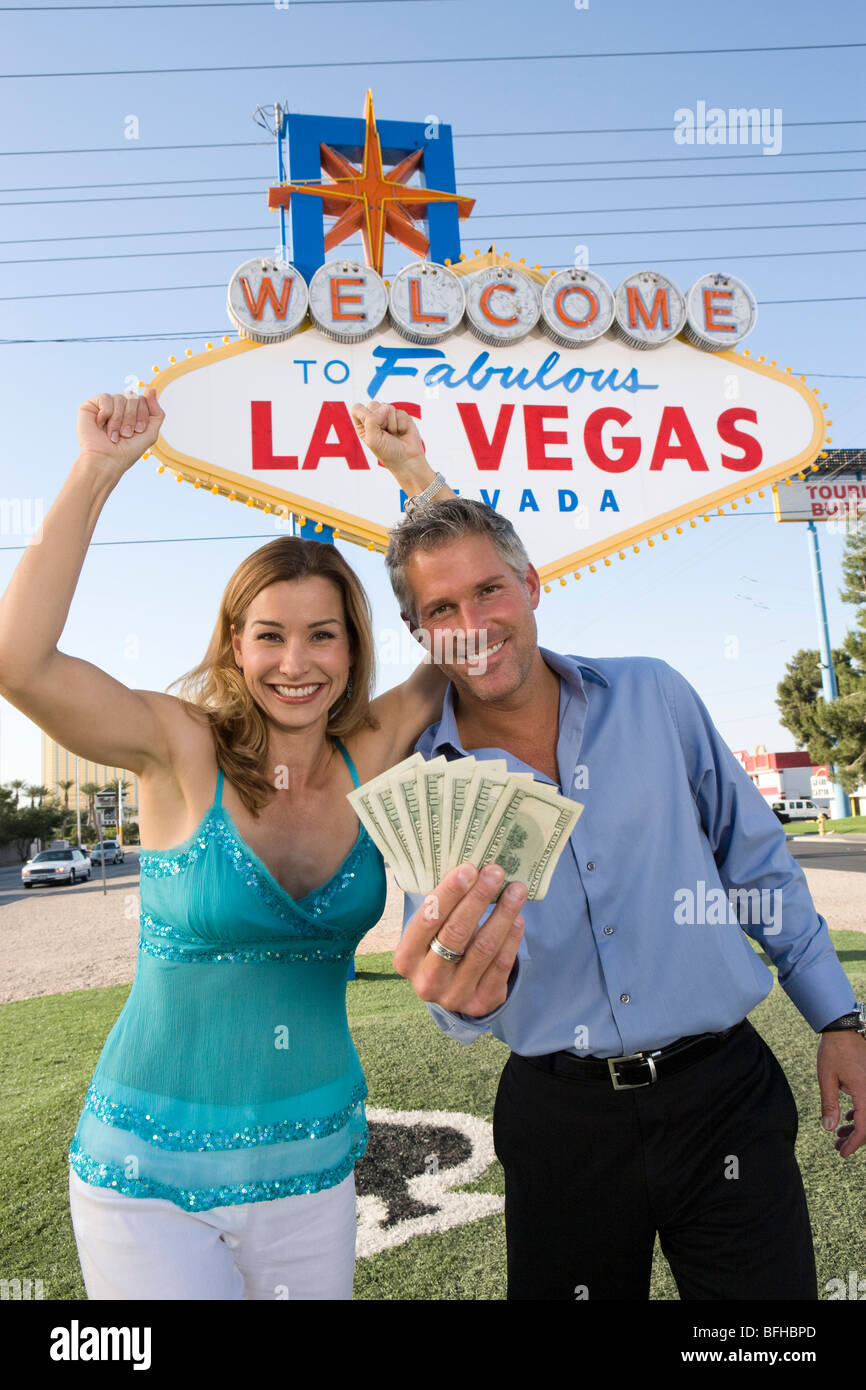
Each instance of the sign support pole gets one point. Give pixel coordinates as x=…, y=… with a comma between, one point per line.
x=308, y=530
x=841, y=806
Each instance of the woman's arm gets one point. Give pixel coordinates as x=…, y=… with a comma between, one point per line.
x=404, y=712
x=81, y=707
x=393, y=437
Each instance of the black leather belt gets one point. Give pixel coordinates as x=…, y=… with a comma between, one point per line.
x=638, y=1068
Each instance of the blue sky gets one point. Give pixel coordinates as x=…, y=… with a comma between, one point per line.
x=529, y=150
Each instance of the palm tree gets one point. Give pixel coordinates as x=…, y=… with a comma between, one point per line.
x=37, y=791
x=90, y=789
x=17, y=786
x=65, y=787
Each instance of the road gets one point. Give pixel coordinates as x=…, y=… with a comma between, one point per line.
x=11, y=887
x=812, y=853
x=834, y=852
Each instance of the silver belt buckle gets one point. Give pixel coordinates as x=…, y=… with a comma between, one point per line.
x=631, y=1085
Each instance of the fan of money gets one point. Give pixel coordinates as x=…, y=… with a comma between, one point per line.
x=426, y=817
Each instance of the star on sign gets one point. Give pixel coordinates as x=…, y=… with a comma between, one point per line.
x=368, y=200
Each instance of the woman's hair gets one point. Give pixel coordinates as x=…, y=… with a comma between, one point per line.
x=217, y=689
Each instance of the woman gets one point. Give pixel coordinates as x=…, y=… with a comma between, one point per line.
x=214, y=1154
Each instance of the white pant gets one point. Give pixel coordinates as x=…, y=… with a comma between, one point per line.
x=299, y=1247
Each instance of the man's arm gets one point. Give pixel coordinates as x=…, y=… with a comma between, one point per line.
x=750, y=850
x=393, y=437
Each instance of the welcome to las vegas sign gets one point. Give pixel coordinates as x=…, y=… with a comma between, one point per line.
x=596, y=419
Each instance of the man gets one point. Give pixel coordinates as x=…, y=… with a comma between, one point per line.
x=692, y=1134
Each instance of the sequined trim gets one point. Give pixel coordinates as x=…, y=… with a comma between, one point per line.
x=276, y=899
x=111, y=1112
x=204, y=1198
x=210, y=955
x=157, y=927
x=214, y=827
x=154, y=864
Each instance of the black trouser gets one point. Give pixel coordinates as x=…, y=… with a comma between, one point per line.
x=704, y=1157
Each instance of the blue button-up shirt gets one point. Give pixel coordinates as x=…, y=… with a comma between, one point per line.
x=641, y=937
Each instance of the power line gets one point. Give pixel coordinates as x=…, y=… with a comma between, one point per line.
x=267, y=178
x=522, y=58
x=644, y=178
x=168, y=337
x=193, y=4
x=174, y=540
x=152, y=183
x=642, y=231
x=501, y=216
x=485, y=183
x=514, y=236
x=180, y=231
x=664, y=207
x=138, y=148
x=653, y=159
x=138, y=198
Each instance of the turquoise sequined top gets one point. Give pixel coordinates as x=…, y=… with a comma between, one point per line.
x=230, y=1075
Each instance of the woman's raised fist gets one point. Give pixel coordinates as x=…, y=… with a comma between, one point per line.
x=117, y=429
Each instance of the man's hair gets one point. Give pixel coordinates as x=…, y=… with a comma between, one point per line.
x=440, y=523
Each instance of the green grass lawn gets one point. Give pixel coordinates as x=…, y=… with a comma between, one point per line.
x=839, y=827
x=50, y=1046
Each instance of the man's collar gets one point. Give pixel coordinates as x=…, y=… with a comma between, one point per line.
x=570, y=668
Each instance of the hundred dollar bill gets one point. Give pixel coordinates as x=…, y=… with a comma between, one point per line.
x=406, y=792
x=526, y=834
x=482, y=793
x=431, y=797
x=458, y=775
x=376, y=808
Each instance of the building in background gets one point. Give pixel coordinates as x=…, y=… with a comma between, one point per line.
x=58, y=766
x=786, y=775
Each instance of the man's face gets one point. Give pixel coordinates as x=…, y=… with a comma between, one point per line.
x=477, y=614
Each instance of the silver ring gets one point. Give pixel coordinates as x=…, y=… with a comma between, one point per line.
x=444, y=952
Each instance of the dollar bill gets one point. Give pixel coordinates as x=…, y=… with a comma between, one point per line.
x=482, y=793
x=376, y=805
x=526, y=834
x=427, y=817
x=458, y=776
x=431, y=797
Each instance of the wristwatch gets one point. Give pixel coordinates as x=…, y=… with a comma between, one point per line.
x=855, y=1021
x=414, y=504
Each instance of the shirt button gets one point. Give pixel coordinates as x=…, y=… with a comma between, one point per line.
x=608, y=931
x=591, y=864
x=625, y=998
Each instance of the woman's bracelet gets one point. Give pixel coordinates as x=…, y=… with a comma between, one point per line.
x=416, y=504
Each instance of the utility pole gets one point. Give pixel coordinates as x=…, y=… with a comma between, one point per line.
x=841, y=805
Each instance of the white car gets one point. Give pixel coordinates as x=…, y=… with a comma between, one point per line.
x=798, y=809
x=56, y=866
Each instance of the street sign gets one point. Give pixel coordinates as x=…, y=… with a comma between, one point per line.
x=822, y=788
x=835, y=491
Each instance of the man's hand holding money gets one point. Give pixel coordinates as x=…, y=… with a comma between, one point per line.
x=477, y=983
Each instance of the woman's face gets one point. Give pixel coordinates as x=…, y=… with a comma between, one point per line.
x=294, y=650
